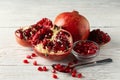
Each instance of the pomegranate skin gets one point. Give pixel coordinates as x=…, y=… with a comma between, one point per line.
x=75, y=23
x=23, y=42
x=53, y=57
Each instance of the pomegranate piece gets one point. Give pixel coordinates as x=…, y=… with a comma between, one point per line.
x=79, y=75
x=45, y=22
x=52, y=43
x=24, y=35
x=55, y=76
x=73, y=74
x=25, y=61
x=33, y=55
x=99, y=37
x=28, y=57
x=35, y=63
x=45, y=68
x=40, y=68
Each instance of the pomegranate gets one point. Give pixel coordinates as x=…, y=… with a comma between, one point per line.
x=75, y=23
x=24, y=35
x=53, y=43
x=99, y=37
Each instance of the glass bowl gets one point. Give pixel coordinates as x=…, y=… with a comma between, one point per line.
x=85, y=49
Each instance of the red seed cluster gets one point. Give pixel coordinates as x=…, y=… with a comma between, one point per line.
x=99, y=36
x=86, y=48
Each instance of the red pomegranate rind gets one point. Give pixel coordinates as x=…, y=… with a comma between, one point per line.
x=52, y=57
x=53, y=43
x=23, y=42
x=99, y=37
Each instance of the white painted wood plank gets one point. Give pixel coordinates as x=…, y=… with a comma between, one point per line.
x=21, y=12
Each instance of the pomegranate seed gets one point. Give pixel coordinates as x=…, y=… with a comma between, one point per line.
x=29, y=57
x=35, y=63
x=53, y=71
x=79, y=75
x=55, y=76
x=40, y=68
x=45, y=69
x=25, y=61
x=73, y=74
x=33, y=55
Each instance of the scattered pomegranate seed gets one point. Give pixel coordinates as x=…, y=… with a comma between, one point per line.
x=45, y=69
x=28, y=57
x=35, y=63
x=53, y=71
x=25, y=61
x=40, y=68
x=79, y=75
x=73, y=74
x=55, y=76
x=33, y=55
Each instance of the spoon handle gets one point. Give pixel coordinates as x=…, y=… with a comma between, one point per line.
x=99, y=62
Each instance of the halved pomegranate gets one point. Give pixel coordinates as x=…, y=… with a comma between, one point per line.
x=52, y=43
x=24, y=35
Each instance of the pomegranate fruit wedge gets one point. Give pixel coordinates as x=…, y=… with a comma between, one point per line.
x=99, y=37
x=75, y=23
x=52, y=43
x=24, y=35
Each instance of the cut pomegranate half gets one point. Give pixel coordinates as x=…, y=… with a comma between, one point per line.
x=54, y=43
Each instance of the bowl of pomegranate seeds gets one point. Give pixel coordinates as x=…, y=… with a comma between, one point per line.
x=85, y=49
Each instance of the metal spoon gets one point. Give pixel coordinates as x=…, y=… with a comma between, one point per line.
x=66, y=68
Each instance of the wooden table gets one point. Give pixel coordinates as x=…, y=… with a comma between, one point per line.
x=13, y=14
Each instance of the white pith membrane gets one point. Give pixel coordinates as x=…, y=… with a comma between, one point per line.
x=45, y=51
x=25, y=28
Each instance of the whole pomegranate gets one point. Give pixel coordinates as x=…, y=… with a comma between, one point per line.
x=75, y=23
x=25, y=34
x=52, y=43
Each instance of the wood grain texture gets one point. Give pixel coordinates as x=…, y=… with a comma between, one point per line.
x=104, y=14
x=24, y=12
